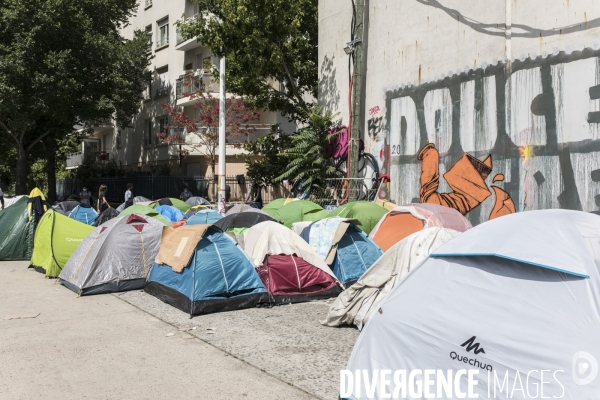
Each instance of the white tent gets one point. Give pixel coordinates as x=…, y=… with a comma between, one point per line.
x=508, y=300
x=356, y=304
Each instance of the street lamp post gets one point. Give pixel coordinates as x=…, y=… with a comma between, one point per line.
x=222, y=153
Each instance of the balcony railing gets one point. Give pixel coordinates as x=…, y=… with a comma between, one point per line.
x=162, y=91
x=76, y=159
x=162, y=42
x=179, y=37
x=194, y=82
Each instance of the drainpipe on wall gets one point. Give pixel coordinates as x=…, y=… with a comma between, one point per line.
x=508, y=34
x=357, y=89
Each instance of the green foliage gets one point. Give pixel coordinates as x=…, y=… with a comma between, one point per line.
x=266, y=44
x=306, y=158
x=65, y=63
x=266, y=160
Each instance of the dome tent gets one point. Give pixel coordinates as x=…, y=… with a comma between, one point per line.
x=273, y=206
x=297, y=211
x=16, y=232
x=239, y=208
x=145, y=210
x=197, y=201
x=106, y=215
x=141, y=199
x=366, y=212
x=356, y=304
x=405, y=220
x=204, y=217
x=241, y=221
x=522, y=290
x=65, y=207
x=289, y=268
x=116, y=256
x=56, y=238
x=347, y=250
x=201, y=270
x=173, y=202
x=171, y=213
x=86, y=215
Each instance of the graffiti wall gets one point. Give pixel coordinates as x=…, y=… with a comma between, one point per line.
x=492, y=141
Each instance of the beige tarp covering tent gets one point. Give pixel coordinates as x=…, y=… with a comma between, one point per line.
x=355, y=304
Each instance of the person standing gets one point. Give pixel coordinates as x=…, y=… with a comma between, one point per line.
x=85, y=197
x=102, y=202
x=186, y=194
x=129, y=195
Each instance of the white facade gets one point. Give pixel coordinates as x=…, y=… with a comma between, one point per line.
x=511, y=79
x=139, y=147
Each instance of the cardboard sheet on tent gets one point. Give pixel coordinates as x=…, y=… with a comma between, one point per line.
x=177, y=245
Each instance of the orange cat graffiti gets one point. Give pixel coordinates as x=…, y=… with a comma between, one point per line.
x=467, y=180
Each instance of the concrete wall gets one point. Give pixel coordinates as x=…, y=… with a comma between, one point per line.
x=449, y=73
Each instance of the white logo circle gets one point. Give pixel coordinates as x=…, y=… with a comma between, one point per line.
x=585, y=368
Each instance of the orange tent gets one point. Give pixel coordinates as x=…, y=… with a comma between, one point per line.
x=403, y=221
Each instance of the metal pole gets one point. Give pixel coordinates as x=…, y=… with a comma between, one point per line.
x=357, y=89
x=222, y=153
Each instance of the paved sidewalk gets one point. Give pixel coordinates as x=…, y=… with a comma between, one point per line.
x=101, y=347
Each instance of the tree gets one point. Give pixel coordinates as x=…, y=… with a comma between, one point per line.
x=266, y=160
x=202, y=132
x=64, y=63
x=270, y=48
x=308, y=166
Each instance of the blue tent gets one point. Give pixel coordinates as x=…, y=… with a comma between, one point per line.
x=219, y=277
x=87, y=215
x=204, y=217
x=355, y=254
x=171, y=213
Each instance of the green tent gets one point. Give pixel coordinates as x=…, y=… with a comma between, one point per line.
x=145, y=210
x=56, y=238
x=16, y=232
x=178, y=204
x=272, y=207
x=300, y=210
x=366, y=212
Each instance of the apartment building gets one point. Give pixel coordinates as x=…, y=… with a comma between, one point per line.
x=175, y=61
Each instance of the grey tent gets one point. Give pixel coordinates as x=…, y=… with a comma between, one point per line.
x=116, y=256
x=238, y=208
x=197, y=201
x=141, y=199
x=65, y=207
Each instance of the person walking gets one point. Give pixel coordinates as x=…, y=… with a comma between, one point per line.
x=85, y=197
x=186, y=194
x=102, y=202
x=255, y=194
x=129, y=195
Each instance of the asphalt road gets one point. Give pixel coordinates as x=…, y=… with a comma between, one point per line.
x=132, y=345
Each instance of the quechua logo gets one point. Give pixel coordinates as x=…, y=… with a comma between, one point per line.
x=471, y=345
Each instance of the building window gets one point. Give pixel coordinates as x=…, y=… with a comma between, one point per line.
x=119, y=133
x=148, y=91
x=163, y=33
x=149, y=30
x=148, y=4
x=148, y=132
x=162, y=84
x=163, y=129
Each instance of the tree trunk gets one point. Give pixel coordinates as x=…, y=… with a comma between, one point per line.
x=51, y=171
x=22, y=171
